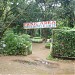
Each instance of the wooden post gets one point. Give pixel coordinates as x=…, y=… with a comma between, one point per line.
x=26, y=31
x=40, y=32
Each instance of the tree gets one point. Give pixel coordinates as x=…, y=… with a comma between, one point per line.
x=10, y=11
x=16, y=12
x=68, y=11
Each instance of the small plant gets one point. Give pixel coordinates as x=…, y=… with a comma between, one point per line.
x=51, y=58
x=47, y=45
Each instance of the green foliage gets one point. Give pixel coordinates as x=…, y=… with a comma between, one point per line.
x=46, y=33
x=37, y=40
x=62, y=23
x=36, y=37
x=64, y=43
x=47, y=45
x=13, y=13
x=51, y=58
x=65, y=28
x=16, y=45
x=49, y=37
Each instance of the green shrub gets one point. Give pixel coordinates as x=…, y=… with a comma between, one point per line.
x=64, y=43
x=37, y=40
x=47, y=45
x=16, y=45
x=36, y=37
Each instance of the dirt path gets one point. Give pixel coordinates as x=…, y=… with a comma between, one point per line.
x=35, y=64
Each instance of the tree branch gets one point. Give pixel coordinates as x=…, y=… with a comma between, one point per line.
x=13, y=20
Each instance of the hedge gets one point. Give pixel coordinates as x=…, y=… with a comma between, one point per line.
x=63, y=43
x=37, y=40
x=14, y=44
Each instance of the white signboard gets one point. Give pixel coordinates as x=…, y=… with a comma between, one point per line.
x=43, y=24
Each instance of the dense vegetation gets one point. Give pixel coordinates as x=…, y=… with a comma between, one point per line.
x=64, y=43
x=13, y=44
x=13, y=13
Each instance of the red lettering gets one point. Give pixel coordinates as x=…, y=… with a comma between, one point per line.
x=35, y=23
x=41, y=23
x=31, y=23
x=53, y=22
x=46, y=22
x=49, y=22
x=28, y=24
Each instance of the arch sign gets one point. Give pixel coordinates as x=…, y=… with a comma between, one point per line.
x=43, y=24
